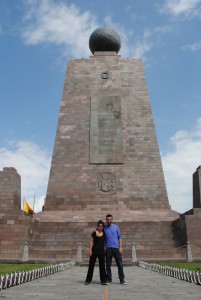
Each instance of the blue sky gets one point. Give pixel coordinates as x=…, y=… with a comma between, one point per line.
x=38, y=37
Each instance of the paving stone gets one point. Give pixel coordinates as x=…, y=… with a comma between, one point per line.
x=69, y=284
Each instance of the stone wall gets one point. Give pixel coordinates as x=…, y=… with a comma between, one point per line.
x=106, y=152
x=14, y=224
x=57, y=235
x=14, y=233
x=10, y=190
x=193, y=232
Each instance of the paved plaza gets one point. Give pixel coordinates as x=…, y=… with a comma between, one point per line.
x=69, y=284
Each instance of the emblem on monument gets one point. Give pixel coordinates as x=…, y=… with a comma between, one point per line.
x=106, y=182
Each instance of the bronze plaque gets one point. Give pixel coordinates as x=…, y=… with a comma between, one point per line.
x=106, y=146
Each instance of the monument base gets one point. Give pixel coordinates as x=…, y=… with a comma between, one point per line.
x=58, y=235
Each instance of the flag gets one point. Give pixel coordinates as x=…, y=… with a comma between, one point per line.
x=27, y=208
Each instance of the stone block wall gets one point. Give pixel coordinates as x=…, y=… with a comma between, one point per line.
x=14, y=233
x=56, y=236
x=14, y=224
x=10, y=190
x=193, y=231
x=106, y=150
x=186, y=229
x=154, y=241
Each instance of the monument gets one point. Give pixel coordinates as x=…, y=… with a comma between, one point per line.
x=106, y=155
x=105, y=160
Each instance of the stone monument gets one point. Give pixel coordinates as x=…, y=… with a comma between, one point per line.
x=105, y=160
x=106, y=154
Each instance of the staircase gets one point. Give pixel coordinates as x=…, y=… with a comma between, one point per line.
x=57, y=235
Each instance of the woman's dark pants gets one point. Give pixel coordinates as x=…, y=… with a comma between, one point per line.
x=92, y=261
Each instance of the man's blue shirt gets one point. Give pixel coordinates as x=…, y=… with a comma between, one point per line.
x=113, y=235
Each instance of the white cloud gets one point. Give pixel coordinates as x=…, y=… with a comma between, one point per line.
x=141, y=48
x=137, y=49
x=63, y=25
x=193, y=47
x=181, y=7
x=163, y=29
x=58, y=23
x=179, y=165
x=149, y=39
x=32, y=164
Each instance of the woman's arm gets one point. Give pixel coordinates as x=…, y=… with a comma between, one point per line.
x=91, y=246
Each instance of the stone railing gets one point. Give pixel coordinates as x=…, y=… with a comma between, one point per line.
x=17, y=278
x=183, y=274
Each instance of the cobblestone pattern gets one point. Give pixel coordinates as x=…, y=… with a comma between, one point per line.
x=183, y=274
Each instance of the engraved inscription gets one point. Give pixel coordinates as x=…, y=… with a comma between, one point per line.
x=106, y=182
x=106, y=144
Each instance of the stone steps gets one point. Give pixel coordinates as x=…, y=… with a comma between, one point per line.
x=60, y=240
x=14, y=234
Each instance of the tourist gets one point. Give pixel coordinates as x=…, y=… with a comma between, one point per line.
x=113, y=249
x=97, y=250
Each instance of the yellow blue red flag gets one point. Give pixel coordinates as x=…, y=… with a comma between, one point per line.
x=27, y=208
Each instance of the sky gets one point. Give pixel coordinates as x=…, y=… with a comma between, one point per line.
x=38, y=37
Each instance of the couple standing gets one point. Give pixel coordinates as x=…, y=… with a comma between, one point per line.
x=106, y=241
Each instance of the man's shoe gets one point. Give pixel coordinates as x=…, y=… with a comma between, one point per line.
x=109, y=281
x=123, y=282
x=105, y=283
x=87, y=283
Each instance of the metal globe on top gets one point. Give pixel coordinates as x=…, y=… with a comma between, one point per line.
x=104, y=39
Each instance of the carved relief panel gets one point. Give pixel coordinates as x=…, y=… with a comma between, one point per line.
x=106, y=182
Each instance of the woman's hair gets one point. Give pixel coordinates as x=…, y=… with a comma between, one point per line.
x=100, y=222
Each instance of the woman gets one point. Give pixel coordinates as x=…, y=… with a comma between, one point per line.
x=97, y=250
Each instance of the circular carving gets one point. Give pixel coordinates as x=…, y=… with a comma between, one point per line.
x=104, y=39
x=106, y=182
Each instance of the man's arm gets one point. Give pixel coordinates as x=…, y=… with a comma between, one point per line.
x=120, y=246
x=120, y=240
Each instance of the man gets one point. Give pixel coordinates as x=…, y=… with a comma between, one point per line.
x=113, y=248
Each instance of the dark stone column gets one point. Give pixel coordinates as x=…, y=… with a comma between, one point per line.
x=10, y=190
x=196, y=188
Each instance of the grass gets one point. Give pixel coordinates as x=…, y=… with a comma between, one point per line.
x=184, y=265
x=11, y=268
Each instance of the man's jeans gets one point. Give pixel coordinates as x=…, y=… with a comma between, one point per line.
x=110, y=252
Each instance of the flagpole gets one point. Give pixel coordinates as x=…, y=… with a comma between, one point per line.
x=33, y=204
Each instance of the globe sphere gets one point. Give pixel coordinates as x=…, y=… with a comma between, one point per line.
x=104, y=39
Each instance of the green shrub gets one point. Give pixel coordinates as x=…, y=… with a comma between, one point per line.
x=184, y=265
x=11, y=268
